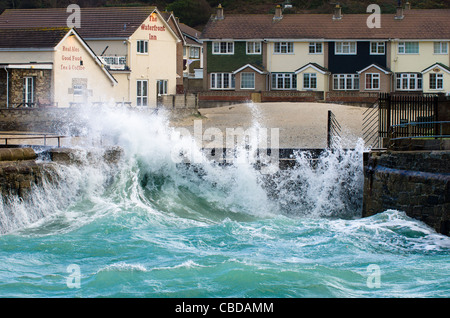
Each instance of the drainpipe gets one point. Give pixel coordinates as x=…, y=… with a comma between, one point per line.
x=7, y=86
x=129, y=52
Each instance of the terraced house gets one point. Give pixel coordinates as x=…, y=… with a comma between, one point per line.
x=140, y=48
x=335, y=57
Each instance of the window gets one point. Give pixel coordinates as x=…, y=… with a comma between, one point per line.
x=345, y=48
x=440, y=48
x=78, y=90
x=222, y=81
x=436, y=81
x=372, y=81
x=142, y=47
x=223, y=47
x=28, y=91
x=315, y=48
x=253, y=47
x=284, y=81
x=194, y=53
x=408, y=47
x=142, y=93
x=248, y=81
x=310, y=81
x=345, y=82
x=161, y=87
x=284, y=47
x=377, y=48
x=409, y=81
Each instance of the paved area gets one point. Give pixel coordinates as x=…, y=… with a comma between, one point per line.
x=300, y=125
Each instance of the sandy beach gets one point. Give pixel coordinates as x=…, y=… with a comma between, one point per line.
x=300, y=125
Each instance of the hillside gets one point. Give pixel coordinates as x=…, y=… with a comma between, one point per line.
x=196, y=12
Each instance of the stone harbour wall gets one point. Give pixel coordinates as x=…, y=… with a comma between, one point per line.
x=415, y=182
x=19, y=169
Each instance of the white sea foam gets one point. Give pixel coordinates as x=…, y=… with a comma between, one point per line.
x=123, y=267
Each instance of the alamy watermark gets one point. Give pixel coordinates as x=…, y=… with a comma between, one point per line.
x=234, y=145
x=74, y=279
x=74, y=19
x=374, y=20
x=374, y=276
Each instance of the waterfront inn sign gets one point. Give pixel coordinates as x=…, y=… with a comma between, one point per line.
x=153, y=28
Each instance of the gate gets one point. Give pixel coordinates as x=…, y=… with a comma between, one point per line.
x=394, y=110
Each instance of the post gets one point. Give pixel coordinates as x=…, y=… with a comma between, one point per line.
x=329, y=130
x=436, y=114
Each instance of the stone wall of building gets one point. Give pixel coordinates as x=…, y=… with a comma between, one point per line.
x=42, y=85
x=415, y=182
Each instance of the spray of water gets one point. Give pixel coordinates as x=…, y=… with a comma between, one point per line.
x=155, y=177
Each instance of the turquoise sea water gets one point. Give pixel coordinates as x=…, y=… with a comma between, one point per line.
x=153, y=228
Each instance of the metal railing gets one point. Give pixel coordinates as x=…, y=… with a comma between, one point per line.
x=416, y=130
x=9, y=138
x=333, y=130
x=371, y=126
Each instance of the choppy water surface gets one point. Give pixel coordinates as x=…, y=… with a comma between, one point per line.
x=161, y=229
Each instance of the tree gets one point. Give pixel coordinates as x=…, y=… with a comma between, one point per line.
x=191, y=12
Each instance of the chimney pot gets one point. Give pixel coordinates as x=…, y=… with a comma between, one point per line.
x=278, y=13
x=408, y=6
x=337, y=15
x=219, y=15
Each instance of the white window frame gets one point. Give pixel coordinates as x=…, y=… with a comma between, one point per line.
x=403, y=46
x=377, y=46
x=284, y=78
x=346, y=79
x=142, y=47
x=254, y=48
x=252, y=80
x=161, y=87
x=28, y=90
x=214, y=81
x=279, y=47
x=438, y=82
x=223, y=47
x=308, y=80
x=314, y=46
x=372, y=78
x=339, y=48
x=141, y=89
x=440, y=47
x=408, y=79
x=194, y=52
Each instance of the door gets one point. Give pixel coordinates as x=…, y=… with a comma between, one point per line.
x=142, y=93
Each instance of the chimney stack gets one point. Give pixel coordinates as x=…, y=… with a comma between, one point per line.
x=219, y=15
x=399, y=15
x=278, y=13
x=337, y=15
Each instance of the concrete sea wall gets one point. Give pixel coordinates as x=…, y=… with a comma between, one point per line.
x=416, y=182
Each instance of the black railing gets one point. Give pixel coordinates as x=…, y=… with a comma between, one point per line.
x=333, y=130
x=396, y=110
